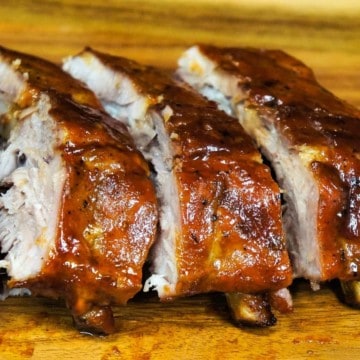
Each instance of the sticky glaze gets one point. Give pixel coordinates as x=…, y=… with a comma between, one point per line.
x=285, y=92
x=231, y=237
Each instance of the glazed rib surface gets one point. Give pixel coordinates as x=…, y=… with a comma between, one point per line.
x=311, y=139
x=221, y=215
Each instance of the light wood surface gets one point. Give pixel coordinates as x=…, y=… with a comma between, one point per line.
x=326, y=36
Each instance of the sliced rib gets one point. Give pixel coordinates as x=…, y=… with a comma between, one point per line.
x=312, y=140
x=78, y=211
x=220, y=209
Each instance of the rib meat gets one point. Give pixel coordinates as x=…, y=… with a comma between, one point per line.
x=220, y=209
x=78, y=211
x=312, y=140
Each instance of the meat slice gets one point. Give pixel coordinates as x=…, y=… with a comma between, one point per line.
x=220, y=209
x=312, y=140
x=78, y=212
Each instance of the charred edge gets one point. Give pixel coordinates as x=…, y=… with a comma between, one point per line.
x=351, y=293
x=251, y=310
x=97, y=321
x=243, y=323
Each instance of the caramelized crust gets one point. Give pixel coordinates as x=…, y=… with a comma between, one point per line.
x=315, y=123
x=231, y=236
x=108, y=215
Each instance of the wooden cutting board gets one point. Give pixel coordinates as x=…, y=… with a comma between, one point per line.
x=326, y=36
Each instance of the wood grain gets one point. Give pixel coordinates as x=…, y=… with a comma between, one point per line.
x=325, y=35
x=320, y=327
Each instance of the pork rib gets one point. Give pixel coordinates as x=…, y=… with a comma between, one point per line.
x=220, y=218
x=78, y=211
x=312, y=140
